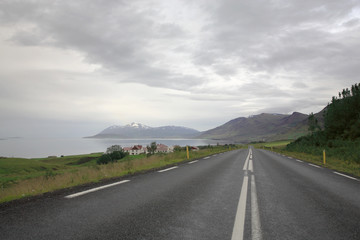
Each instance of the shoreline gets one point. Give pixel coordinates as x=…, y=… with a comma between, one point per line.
x=44, y=147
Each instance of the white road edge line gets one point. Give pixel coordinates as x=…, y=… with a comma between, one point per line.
x=313, y=165
x=238, y=230
x=95, y=189
x=168, y=169
x=299, y=160
x=346, y=176
x=206, y=157
x=255, y=217
x=193, y=162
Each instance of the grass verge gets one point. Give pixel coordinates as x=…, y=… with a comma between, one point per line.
x=348, y=167
x=46, y=175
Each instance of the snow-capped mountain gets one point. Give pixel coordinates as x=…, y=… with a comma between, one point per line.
x=137, y=125
x=138, y=130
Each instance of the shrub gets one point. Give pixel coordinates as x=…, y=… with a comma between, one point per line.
x=104, y=159
x=117, y=155
x=111, y=157
x=177, y=148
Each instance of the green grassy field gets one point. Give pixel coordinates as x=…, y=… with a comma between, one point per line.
x=13, y=170
x=27, y=177
x=282, y=143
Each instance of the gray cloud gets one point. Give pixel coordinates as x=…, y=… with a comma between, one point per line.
x=118, y=35
x=300, y=36
x=229, y=57
x=354, y=22
x=121, y=36
x=299, y=85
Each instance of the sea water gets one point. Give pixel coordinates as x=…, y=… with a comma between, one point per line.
x=44, y=147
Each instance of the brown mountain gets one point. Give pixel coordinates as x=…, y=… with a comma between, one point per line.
x=262, y=127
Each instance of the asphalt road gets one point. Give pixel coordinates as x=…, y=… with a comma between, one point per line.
x=242, y=194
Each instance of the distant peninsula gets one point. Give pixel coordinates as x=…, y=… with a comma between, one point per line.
x=141, y=131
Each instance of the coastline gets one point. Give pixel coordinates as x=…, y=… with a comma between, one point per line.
x=44, y=147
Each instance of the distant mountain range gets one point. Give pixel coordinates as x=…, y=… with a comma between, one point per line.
x=138, y=130
x=262, y=127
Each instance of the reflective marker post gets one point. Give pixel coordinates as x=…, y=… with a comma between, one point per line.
x=324, y=157
x=187, y=152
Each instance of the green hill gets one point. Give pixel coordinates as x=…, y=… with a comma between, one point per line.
x=340, y=135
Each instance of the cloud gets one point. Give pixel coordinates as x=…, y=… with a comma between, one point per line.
x=140, y=43
x=305, y=37
x=176, y=59
x=118, y=35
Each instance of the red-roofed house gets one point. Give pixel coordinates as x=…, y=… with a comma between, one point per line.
x=139, y=149
x=135, y=150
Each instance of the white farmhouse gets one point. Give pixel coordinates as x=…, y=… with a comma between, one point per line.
x=163, y=148
x=135, y=150
x=139, y=149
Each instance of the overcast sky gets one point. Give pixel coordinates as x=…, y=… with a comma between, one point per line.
x=73, y=68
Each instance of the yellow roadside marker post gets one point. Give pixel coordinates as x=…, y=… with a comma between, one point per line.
x=324, y=157
x=187, y=152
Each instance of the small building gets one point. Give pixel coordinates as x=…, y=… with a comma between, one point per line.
x=192, y=148
x=135, y=150
x=139, y=149
x=162, y=148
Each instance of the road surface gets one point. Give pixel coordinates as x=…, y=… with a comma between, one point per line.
x=242, y=194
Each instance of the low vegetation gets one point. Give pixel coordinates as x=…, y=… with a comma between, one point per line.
x=111, y=157
x=340, y=136
x=27, y=177
x=332, y=161
x=270, y=145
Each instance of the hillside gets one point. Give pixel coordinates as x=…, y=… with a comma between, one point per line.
x=262, y=127
x=138, y=130
x=339, y=135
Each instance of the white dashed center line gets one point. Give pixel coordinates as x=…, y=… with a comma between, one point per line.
x=95, y=189
x=167, y=169
x=313, y=165
x=193, y=162
x=346, y=176
x=239, y=224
